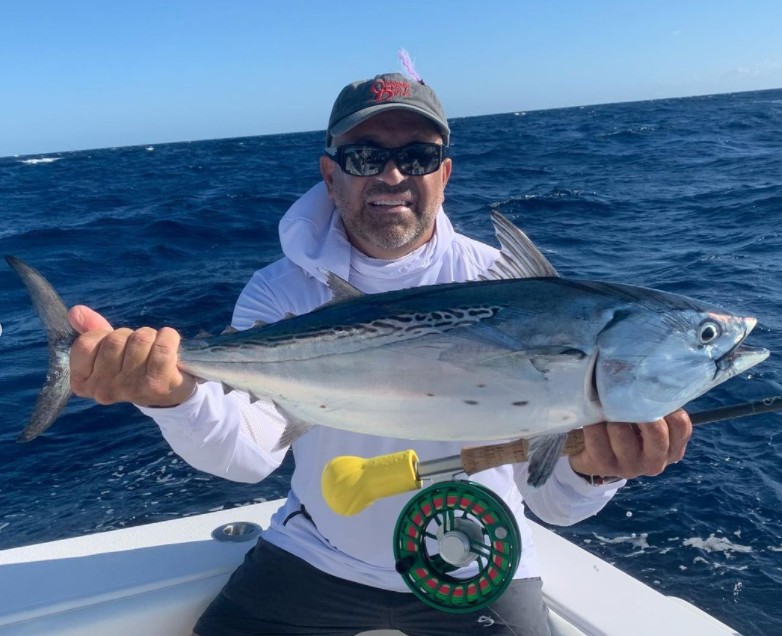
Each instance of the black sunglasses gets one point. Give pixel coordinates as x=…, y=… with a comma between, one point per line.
x=364, y=160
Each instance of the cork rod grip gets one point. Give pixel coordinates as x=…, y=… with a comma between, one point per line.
x=481, y=458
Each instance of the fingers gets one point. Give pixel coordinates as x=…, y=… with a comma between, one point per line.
x=84, y=319
x=83, y=354
x=611, y=449
x=680, y=431
x=137, y=350
x=129, y=366
x=162, y=355
x=599, y=450
x=651, y=457
x=162, y=372
x=632, y=450
x=108, y=364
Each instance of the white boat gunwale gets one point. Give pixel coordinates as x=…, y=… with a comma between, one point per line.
x=157, y=578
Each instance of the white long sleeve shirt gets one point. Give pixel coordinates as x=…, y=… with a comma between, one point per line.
x=227, y=436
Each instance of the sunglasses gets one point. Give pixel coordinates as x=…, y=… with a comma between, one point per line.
x=363, y=160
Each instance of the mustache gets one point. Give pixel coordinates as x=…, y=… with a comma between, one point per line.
x=383, y=189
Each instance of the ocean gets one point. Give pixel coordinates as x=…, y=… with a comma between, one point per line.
x=678, y=194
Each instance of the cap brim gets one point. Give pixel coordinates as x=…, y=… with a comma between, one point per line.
x=354, y=119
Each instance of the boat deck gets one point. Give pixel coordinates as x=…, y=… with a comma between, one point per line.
x=156, y=580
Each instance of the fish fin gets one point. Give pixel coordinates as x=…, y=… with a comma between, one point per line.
x=340, y=288
x=202, y=335
x=288, y=315
x=519, y=257
x=541, y=358
x=60, y=335
x=229, y=330
x=295, y=427
x=544, y=453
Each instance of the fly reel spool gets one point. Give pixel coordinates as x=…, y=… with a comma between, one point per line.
x=452, y=525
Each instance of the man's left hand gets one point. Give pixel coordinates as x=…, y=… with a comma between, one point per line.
x=617, y=449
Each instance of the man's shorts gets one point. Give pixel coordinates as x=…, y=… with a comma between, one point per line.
x=274, y=592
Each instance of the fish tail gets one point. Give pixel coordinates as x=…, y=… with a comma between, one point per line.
x=54, y=314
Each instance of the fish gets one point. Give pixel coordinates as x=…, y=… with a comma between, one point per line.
x=520, y=353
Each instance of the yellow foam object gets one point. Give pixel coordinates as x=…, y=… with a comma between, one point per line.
x=350, y=484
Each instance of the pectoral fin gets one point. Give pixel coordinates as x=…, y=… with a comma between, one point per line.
x=541, y=359
x=544, y=453
x=295, y=427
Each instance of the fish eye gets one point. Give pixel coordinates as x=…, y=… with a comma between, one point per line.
x=708, y=332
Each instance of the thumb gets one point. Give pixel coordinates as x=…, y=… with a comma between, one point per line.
x=83, y=319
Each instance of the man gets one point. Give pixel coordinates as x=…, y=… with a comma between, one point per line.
x=377, y=221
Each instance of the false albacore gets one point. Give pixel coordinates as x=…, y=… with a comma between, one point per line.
x=521, y=353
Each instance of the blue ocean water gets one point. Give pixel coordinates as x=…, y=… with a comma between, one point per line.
x=680, y=194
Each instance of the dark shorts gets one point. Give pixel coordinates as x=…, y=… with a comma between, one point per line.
x=274, y=592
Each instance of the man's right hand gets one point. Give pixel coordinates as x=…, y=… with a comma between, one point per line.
x=120, y=365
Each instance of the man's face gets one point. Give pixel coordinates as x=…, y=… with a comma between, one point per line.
x=390, y=214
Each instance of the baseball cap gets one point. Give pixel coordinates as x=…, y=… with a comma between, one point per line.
x=363, y=99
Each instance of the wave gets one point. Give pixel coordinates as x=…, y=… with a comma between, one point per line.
x=39, y=160
x=670, y=194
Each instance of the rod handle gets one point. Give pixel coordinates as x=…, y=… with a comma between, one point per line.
x=484, y=457
x=480, y=458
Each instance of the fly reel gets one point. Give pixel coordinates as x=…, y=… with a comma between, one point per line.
x=452, y=525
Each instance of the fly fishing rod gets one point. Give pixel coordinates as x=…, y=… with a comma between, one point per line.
x=350, y=484
x=457, y=544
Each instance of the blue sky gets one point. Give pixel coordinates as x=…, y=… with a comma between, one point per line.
x=81, y=74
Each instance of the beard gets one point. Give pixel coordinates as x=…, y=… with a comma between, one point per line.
x=382, y=229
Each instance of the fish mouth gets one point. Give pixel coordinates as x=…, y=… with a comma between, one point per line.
x=741, y=357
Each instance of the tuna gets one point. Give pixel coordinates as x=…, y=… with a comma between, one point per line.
x=522, y=353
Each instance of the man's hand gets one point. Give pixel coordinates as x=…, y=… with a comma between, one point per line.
x=613, y=449
x=120, y=365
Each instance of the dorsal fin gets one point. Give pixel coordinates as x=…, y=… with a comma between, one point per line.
x=340, y=288
x=519, y=258
x=230, y=329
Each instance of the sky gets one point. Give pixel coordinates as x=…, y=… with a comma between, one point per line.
x=80, y=74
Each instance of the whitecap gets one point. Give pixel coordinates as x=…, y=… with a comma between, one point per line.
x=639, y=541
x=716, y=544
x=33, y=162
